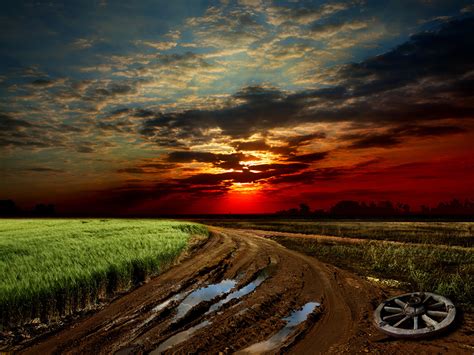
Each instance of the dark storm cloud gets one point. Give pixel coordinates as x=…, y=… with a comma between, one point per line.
x=262, y=109
x=134, y=194
x=290, y=146
x=186, y=157
x=158, y=166
x=309, y=158
x=143, y=113
x=112, y=90
x=206, y=184
x=444, y=53
x=42, y=82
x=123, y=125
x=263, y=171
x=305, y=15
x=44, y=170
x=39, y=134
x=29, y=137
x=397, y=135
x=224, y=161
x=147, y=168
x=434, y=66
x=84, y=149
x=323, y=174
x=426, y=131
x=133, y=171
x=252, y=145
x=8, y=123
x=297, y=141
x=383, y=140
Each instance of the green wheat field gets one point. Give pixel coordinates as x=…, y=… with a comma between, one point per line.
x=54, y=267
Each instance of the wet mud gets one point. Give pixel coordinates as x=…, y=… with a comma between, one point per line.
x=239, y=292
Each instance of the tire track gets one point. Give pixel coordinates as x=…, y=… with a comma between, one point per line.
x=237, y=290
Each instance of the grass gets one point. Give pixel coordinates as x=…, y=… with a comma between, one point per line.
x=427, y=256
x=446, y=270
x=55, y=267
x=446, y=233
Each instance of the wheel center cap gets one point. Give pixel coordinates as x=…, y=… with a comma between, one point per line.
x=413, y=311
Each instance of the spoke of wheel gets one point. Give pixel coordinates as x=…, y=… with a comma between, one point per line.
x=415, y=322
x=401, y=321
x=389, y=309
x=429, y=321
x=426, y=299
x=437, y=305
x=437, y=313
x=392, y=316
x=400, y=302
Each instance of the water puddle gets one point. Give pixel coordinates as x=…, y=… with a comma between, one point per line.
x=203, y=294
x=206, y=294
x=250, y=287
x=179, y=338
x=163, y=305
x=293, y=320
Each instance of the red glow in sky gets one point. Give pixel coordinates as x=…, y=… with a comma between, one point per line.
x=237, y=107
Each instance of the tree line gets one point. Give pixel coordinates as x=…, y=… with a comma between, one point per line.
x=350, y=208
x=10, y=208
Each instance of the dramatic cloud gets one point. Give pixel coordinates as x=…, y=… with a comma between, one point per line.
x=202, y=107
x=370, y=91
x=397, y=135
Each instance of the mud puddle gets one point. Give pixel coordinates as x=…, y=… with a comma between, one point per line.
x=249, y=288
x=203, y=294
x=209, y=293
x=293, y=320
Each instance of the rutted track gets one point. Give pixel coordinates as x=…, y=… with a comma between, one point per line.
x=271, y=281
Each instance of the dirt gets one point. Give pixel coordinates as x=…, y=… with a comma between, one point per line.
x=238, y=290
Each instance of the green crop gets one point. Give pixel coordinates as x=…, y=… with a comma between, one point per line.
x=55, y=267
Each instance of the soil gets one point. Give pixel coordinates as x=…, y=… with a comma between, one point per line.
x=190, y=307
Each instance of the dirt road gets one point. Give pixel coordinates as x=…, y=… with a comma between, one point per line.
x=237, y=293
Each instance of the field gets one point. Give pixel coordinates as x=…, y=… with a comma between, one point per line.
x=54, y=267
x=428, y=256
x=446, y=233
x=237, y=289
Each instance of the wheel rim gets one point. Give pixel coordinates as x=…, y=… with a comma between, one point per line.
x=415, y=314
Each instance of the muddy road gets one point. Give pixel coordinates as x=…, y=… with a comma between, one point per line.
x=237, y=293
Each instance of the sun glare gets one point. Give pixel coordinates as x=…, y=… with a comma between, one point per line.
x=246, y=187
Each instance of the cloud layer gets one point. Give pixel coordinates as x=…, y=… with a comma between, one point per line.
x=248, y=97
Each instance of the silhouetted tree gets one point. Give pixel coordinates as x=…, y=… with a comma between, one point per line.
x=304, y=209
x=454, y=208
x=8, y=208
x=44, y=210
x=346, y=208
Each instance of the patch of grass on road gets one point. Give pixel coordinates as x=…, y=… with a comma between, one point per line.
x=54, y=267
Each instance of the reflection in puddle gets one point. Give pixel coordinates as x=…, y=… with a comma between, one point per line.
x=165, y=304
x=293, y=320
x=179, y=338
x=250, y=287
x=162, y=306
x=203, y=294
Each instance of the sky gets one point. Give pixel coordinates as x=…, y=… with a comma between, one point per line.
x=142, y=107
